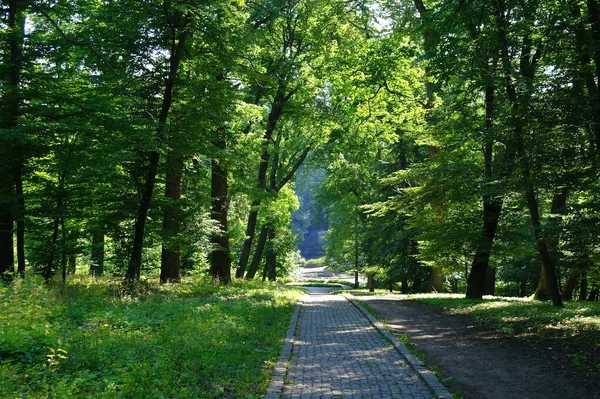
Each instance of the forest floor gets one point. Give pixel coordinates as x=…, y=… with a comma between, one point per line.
x=485, y=363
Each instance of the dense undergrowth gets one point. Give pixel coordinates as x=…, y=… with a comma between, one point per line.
x=100, y=339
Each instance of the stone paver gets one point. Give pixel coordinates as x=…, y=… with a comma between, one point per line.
x=338, y=352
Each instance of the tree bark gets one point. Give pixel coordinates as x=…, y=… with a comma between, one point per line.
x=492, y=209
x=435, y=280
x=20, y=219
x=277, y=110
x=260, y=247
x=97, y=256
x=527, y=70
x=542, y=292
x=569, y=287
x=583, y=286
x=49, y=270
x=11, y=162
x=220, y=258
x=170, y=263
x=271, y=257
x=523, y=288
x=490, y=282
x=135, y=262
x=594, y=294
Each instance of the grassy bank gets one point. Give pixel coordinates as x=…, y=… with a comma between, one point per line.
x=94, y=339
x=572, y=332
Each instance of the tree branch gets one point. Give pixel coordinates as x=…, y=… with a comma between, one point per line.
x=95, y=52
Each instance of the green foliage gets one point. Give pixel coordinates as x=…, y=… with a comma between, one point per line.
x=196, y=339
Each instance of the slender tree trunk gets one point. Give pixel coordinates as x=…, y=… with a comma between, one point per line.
x=569, y=287
x=260, y=247
x=170, y=262
x=97, y=256
x=20, y=221
x=583, y=286
x=7, y=256
x=276, y=112
x=271, y=257
x=356, y=284
x=523, y=288
x=220, y=259
x=594, y=293
x=492, y=208
x=72, y=265
x=135, y=262
x=11, y=102
x=63, y=251
x=47, y=273
x=247, y=246
x=528, y=69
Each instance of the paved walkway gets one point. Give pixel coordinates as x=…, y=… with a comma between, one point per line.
x=335, y=349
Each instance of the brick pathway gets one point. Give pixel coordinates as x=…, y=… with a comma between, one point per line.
x=337, y=352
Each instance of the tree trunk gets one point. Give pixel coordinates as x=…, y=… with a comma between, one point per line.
x=356, y=284
x=435, y=280
x=527, y=70
x=404, y=286
x=47, y=273
x=72, y=265
x=170, y=262
x=370, y=282
x=7, y=256
x=135, y=262
x=593, y=297
x=492, y=208
x=97, y=257
x=247, y=246
x=490, y=282
x=20, y=221
x=134, y=267
x=260, y=247
x=220, y=259
x=271, y=257
x=523, y=288
x=11, y=103
x=583, y=288
x=63, y=251
x=276, y=112
x=569, y=287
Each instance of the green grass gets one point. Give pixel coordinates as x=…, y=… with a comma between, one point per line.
x=192, y=340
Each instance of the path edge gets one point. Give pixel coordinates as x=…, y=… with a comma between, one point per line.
x=428, y=377
x=277, y=379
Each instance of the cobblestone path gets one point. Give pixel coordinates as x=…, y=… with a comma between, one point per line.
x=338, y=353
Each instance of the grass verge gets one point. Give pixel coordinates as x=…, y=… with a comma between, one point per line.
x=95, y=339
x=573, y=330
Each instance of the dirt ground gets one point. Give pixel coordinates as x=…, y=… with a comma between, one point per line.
x=485, y=364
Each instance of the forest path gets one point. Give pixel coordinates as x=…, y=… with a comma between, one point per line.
x=335, y=349
x=485, y=364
